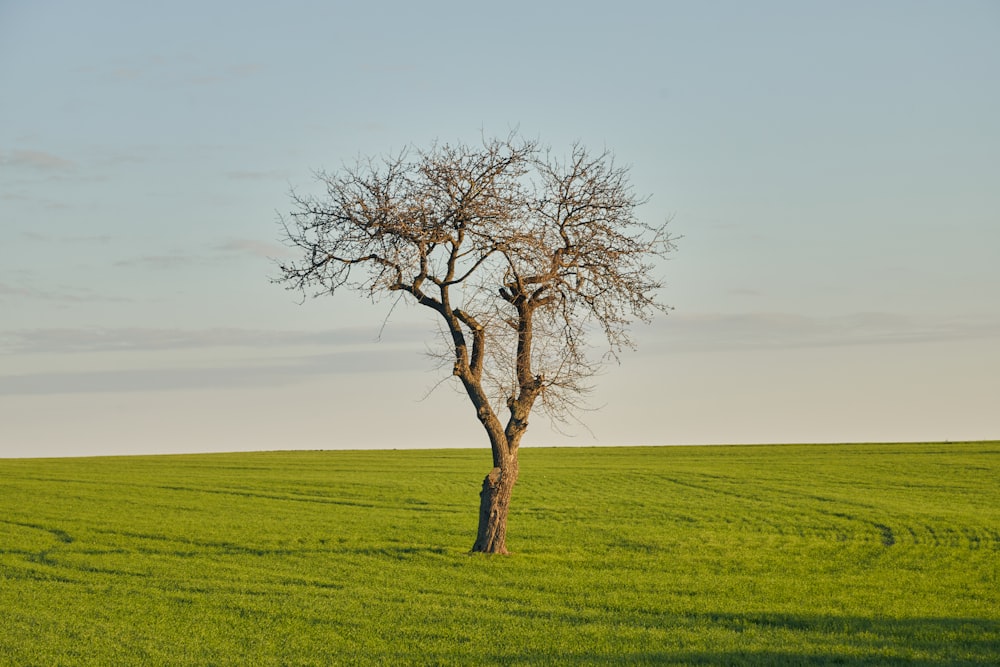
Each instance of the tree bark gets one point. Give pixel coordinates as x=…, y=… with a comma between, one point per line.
x=494, y=502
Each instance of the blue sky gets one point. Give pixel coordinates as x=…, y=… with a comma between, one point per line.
x=833, y=169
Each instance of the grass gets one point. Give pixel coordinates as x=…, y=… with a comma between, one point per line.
x=841, y=554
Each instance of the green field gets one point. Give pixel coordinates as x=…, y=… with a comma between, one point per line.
x=839, y=554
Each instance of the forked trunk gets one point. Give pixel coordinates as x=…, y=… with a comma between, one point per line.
x=494, y=502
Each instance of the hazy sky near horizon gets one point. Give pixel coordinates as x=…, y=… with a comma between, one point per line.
x=833, y=168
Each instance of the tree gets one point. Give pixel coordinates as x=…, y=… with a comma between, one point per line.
x=523, y=256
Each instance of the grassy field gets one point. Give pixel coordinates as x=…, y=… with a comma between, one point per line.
x=847, y=554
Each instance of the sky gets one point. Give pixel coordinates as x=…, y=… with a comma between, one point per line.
x=833, y=169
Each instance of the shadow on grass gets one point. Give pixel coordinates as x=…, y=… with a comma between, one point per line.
x=401, y=552
x=851, y=640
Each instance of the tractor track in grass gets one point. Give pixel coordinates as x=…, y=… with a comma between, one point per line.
x=59, y=534
x=878, y=522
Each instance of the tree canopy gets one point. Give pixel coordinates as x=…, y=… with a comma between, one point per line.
x=523, y=255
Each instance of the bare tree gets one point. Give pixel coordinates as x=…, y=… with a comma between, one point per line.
x=523, y=255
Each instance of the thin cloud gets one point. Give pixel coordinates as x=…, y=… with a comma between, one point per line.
x=743, y=291
x=67, y=340
x=38, y=160
x=245, y=69
x=118, y=159
x=40, y=237
x=127, y=73
x=60, y=294
x=248, y=175
x=235, y=377
x=37, y=202
x=176, y=260
x=226, y=250
x=369, y=68
x=787, y=330
x=223, y=75
x=16, y=290
x=164, y=70
x=16, y=196
x=254, y=248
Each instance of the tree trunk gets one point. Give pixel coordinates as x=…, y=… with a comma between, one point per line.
x=494, y=502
